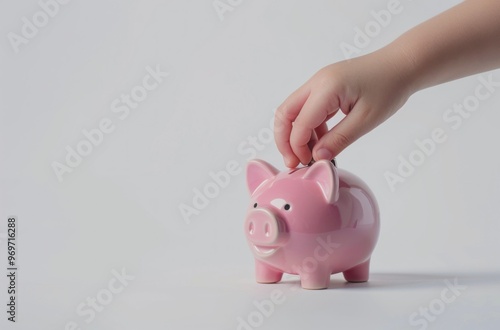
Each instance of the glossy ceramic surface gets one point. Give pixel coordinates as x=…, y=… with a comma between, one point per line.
x=312, y=221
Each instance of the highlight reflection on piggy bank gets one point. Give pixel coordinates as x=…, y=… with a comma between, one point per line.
x=312, y=221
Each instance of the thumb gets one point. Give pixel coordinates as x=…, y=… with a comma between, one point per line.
x=341, y=136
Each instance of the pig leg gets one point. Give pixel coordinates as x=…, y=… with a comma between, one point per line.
x=358, y=273
x=315, y=280
x=266, y=274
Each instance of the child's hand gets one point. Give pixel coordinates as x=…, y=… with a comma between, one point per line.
x=461, y=41
x=368, y=89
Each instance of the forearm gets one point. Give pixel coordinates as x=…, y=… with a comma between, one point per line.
x=459, y=42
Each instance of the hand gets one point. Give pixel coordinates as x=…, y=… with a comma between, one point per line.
x=367, y=89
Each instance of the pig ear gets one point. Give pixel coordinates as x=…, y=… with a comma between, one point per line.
x=325, y=174
x=259, y=171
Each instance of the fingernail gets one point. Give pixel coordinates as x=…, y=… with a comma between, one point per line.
x=324, y=153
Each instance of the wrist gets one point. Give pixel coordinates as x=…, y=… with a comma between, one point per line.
x=403, y=62
x=397, y=70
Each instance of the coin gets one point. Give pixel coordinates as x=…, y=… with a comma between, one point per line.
x=334, y=162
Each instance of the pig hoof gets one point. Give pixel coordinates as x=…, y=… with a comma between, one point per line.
x=353, y=281
x=314, y=287
x=267, y=281
x=266, y=274
x=318, y=283
x=269, y=277
x=359, y=273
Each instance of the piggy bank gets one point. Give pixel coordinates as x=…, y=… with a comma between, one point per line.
x=312, y=221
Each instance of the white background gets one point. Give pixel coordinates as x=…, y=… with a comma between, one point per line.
x=119, y=209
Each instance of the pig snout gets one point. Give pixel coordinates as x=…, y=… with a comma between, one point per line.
x=265, y=230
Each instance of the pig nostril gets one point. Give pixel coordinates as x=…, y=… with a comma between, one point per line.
x=250, y=228
x=267, y=229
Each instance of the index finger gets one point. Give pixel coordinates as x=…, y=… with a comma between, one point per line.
x=284, y=117
x=319, y=107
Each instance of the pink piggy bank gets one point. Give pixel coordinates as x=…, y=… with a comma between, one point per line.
x=312, y=221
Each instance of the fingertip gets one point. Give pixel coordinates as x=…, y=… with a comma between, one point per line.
x=306, y=160
x=290, y=162
x=323, y=153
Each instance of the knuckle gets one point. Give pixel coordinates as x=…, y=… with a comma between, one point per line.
x=340, y=140
x=279, y=122
x=283, y=112
x=329, y=78
x=300, y=136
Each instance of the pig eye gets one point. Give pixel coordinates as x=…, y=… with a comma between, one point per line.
x=255, y=205
x=286, y=207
